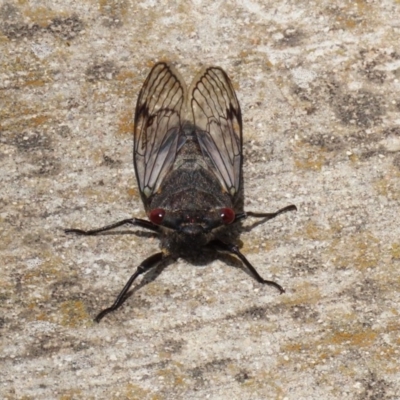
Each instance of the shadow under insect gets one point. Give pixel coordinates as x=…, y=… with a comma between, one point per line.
x=189, y=172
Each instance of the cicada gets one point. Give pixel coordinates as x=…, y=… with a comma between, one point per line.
x=187, y=154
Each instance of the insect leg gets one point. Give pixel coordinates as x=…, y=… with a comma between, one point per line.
x=267, y=216
x=147, y=264
x=132, y=221
x=232, y=249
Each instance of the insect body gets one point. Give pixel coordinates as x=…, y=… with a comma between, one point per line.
x=188, y=163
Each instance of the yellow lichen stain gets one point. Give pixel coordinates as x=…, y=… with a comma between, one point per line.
x=25, y=73
x=126, y=75
x=7, y=287
x=74, y=313
x=73, y=394
x=32, y=275
x=125, y=123
x=315, y=232
x=133, y=193
x=135, y=392
x=41, y=15
x=128, y=88
x=335, y=226
x=362, y=6
x=172, y=376
x=39, y=120
x=13, y=397
x=154, y=289
x=34, y=82
x=45, y=272
x=248, y=383
x=382, y=187
x=305, y=294
x=104, y=5
x=394, y=311
x=127, y=85
x=256, y=245
x=244, y=55
x=263, y=382
x=359, y=251
x=309, y=157
x=389, y=186
x=349, y=23
x=329, y=346
x=395, y=325
x=322, y=357
x=163, y=355
x=98, y=155
x=151, y=63
x=43, y=316
x=349, y=18
x=388, y=354
x=7, y=238
x=236, y=85
x=269, y=63
x=292, y=348
x=395, y=251
x=13, y=110
x=364, y=338
x=354, y=158
x=100, y=97
x=114, y=7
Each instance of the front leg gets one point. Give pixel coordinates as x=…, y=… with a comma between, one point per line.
x=131, y=221
x=232, y=249
x=267, y=216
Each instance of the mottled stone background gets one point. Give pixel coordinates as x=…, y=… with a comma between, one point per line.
x=319, y=87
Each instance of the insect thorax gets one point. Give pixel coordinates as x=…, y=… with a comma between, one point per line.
x=190, y=186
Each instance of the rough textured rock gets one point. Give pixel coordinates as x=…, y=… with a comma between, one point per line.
x=319, y=88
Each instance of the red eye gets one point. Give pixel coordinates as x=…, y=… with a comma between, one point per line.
x=157, y=215
x=227, y=215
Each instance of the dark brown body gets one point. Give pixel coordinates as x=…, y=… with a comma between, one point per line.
x=188, y=164
x=192, y=196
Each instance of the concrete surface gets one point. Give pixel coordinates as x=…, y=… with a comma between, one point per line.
x=319, y=87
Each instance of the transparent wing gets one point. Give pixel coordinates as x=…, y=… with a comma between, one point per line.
x=157, y=126
x=218, y=119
